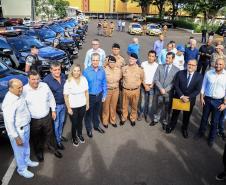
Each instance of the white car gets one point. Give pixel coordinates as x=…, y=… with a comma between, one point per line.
x=135, y=28
x=153, y=29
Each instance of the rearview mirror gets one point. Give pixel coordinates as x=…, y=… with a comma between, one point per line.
x=7, y=52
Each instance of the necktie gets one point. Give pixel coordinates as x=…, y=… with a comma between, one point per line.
x=188, y=79
x=166, y=72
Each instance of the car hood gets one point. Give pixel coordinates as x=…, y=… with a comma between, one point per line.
x=4, y=79
x=51, y=53
x=154, y=30
x=64, y=40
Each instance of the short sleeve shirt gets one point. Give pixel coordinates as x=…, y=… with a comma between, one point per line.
x=76, y=92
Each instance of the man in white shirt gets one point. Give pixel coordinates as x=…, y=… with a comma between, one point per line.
x=40, y=100
x=95, y=49
x=17, y=122
x=213, y=99
x=147, y=91
x=179, y=57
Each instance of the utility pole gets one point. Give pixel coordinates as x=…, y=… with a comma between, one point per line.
x=33, y=10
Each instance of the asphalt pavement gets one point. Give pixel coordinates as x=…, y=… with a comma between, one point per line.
x=140, y=155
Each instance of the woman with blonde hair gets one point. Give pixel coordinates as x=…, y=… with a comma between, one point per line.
x=77, y=101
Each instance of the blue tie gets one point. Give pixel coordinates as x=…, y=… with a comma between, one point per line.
x=188, y=79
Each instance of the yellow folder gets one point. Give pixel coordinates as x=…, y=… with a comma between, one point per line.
x=178, y=104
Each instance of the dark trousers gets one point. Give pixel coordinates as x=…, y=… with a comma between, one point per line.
x=204, y=39
x=211, y=106
x=92, y=115
x=42, y=133
x=76, y=121
x=186, y=117
x=221, y=122
x=203, y=65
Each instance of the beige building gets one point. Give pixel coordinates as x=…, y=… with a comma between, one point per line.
x=16, y=8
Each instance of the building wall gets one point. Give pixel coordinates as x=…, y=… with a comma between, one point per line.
x=76, y=3
x=102, y=6
x=16, y=8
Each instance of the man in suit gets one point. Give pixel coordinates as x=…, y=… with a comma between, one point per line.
x=163, y=80
x=187, y=86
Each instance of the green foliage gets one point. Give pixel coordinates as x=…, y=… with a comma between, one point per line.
x=60, y=7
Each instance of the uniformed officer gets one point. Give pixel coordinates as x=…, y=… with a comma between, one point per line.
x=105, y=27
x=144, y=28
x=32, y=62
x=56, y=41
x=111, y=28
x=120, y=62
x=113, y=75
x=132, y=77
x=66, y=33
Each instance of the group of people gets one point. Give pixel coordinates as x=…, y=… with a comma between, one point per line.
x=110, y=85
x=105, y=28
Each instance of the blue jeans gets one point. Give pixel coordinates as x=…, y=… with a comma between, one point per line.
x=59, y=121
x=146, y=102
x=22, y=153
x=92, y=115
x=211, y=106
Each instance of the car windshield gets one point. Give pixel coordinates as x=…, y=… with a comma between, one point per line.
x=47, y=34
x=2, y=67
x=57, y=28
x=25, y=44
x=136, y=26
x=153, y=27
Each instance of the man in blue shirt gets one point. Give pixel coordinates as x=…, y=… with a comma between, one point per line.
x=96, y=78
x=56, y=81
x=162, y=55
x=134, y=47
x=191, y=52
x=159, y=45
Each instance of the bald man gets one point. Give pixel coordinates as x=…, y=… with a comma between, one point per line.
x=17, y=122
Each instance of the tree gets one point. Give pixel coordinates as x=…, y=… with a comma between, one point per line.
x=160, y=6
x=51, y=8
x=208, y=8
x=60, y=7
x=144, y=4
x=175, y=5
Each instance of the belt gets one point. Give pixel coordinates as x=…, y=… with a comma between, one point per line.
x=22, y=127
x=113, y=88
x=95, y=94
x=214, y=98
x=131, y=89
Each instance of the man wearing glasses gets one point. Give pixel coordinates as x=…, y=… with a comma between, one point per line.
x=95, y=49
x=187, y=86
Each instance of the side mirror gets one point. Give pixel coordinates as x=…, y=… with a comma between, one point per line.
x=7, y=52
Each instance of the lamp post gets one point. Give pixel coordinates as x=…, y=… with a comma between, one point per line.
x=33, y=10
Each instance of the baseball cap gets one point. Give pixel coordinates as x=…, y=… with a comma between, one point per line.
x=111, y=59
x=180, y=48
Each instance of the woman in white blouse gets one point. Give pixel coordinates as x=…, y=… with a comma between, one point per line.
x=77, y=101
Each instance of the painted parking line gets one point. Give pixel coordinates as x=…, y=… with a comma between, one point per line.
x=9, y=173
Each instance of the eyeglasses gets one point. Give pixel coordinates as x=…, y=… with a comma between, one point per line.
x=192, y=65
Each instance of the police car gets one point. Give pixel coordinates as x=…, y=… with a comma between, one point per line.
x=6, y=74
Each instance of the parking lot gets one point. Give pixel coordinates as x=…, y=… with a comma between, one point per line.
x=140, y=155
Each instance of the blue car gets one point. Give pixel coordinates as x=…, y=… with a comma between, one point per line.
x=47, y=36
x=21, y=46
x=6, y=74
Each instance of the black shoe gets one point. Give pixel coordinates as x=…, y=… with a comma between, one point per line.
x=184, y=133
x=153, y=123
x=114, y=125
x=89, y=134
x=99, y=130
x=40, y=157
x=81, y=139
x=140, y=117
x=58, y=154
x=221, y=176
x=60, y=146
x=122, y=123
x=168, y=130
x=210, y=144
x=133, y=123
x=105, y=126
x=64, y=139
x=222, y=135
x=75, y=142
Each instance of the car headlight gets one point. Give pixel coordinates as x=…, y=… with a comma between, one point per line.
x=45, y=62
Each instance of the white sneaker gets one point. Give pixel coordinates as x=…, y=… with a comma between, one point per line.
x=32, y=163
x=26, y=174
